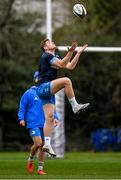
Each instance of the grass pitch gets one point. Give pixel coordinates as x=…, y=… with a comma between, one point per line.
x=73, y=166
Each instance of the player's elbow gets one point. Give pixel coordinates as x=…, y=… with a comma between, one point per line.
x=61, y=65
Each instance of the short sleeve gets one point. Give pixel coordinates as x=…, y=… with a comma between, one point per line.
x=50, y=58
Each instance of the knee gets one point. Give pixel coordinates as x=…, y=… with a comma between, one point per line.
x=38, y=145
x=67, y=81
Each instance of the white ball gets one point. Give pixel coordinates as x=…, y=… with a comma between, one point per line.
x=79, y=10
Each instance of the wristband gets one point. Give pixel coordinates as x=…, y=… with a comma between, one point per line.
x=71, y=49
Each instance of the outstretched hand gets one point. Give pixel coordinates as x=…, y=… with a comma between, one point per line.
x=73, y=46
x=81, y=49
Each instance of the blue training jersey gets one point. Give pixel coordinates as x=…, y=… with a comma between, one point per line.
x=30, y=109
x=47, y=72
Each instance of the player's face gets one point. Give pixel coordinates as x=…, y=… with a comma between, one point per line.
x=50, y=45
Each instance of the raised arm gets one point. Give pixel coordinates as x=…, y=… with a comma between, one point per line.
x=63, y=62
x=71, y=65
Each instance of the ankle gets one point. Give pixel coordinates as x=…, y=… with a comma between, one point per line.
x=73, y=102
x=31, y=158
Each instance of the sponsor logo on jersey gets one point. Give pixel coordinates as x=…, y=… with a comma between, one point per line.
x=35, y=98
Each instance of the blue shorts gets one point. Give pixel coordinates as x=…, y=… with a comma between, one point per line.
x=43, y=91
x=36, y=132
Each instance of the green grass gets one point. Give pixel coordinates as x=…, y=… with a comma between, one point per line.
x=73, y=166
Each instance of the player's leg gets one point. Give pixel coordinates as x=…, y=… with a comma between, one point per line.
x=48, y=101
x=41, y=157
x=37, y=143
x=61, y=83
x=66, y=83
x=49, y=118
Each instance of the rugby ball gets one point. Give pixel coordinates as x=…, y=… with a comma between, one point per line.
x=79, y=10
